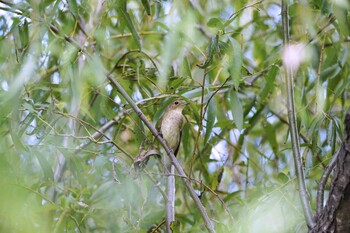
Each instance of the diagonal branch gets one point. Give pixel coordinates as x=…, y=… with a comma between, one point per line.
x=208, y=223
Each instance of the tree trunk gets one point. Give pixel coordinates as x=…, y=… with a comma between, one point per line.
x=335, y=217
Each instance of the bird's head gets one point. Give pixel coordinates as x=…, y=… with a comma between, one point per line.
x=178, y=105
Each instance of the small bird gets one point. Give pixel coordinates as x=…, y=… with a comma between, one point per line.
x=171, y=128
x=172, y=123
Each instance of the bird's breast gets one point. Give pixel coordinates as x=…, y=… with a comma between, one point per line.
x=170, y=128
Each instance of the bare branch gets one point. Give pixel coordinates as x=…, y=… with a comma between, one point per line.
x=299, y=168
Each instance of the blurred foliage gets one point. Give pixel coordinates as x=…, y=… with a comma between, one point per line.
x=222, y=56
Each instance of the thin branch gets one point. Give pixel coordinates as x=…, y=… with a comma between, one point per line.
x=130, y=52
x=331, y=19
x=319, y=69
x=11, y=10
x=215, y=92
x=201, y=116
x=203, y=212
x=232, y=17
x=299, y=169
x=323, y=182
x=216, y=195
x=98, y=133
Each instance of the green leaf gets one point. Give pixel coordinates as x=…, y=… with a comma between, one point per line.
x=217, y=178
x=341, y=14
x=45, y=165
x=187, y=67
x=147, y=6
x=341, y=87
x=139, y=130
x=212, y=49
x=270, y=135
x=186, y=145
x=236, y=109
x=235, y=62
x=283, y=177
x=24, y=34
x=216, y=23
x=210, y=120
x=73, y=7
x=226, y=123
x=314, y=132
x=129, y=23
x=270, y=83
x=176, y=82
x=16, y=139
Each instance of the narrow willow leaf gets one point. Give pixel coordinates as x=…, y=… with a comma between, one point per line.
x=186, y=139
x=217, y=178
x=73, y=7
x=147, y=6
x=270, y=135
x=211, y=50
x=187, y=67
x=45, y=165
x=139, y=130
x=237, y=110
x=235, y=62
x=24, y=34
x=210, y=120
x=340, y=88
x=127, y=20
x=270, y=83
x=17, y=141
x=343, y=21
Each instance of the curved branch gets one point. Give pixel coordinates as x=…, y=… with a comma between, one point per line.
x=322, y=184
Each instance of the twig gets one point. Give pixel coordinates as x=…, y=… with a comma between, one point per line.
x=215, y=92
x=232, y=17
x=299, y=168
x=319, y=70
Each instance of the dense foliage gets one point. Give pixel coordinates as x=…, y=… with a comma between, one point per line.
x=224, y=57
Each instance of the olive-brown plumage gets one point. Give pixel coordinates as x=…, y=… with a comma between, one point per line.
x=172, y=123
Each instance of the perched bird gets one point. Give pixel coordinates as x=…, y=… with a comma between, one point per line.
x=170, y=128
x=172, y=123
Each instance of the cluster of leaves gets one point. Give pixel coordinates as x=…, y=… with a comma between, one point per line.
x=222, y=57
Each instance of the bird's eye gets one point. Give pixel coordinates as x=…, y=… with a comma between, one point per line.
x=176, y=103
